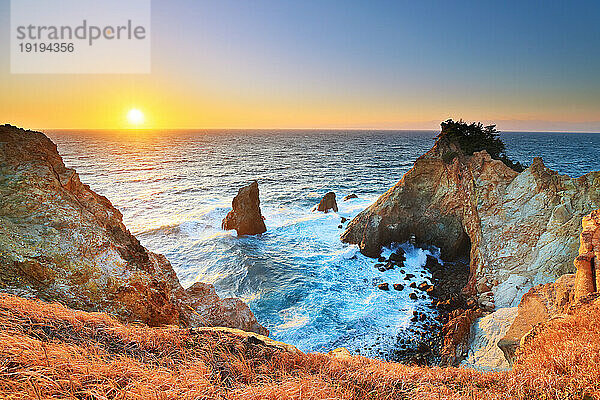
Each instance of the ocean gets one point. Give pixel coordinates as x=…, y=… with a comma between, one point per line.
x=309, y=289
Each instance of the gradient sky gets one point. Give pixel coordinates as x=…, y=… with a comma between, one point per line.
x=527, y=65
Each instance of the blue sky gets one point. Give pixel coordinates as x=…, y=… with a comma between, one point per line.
x=358, y=64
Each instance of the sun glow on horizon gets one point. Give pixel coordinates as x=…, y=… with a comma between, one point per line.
x=135, y=117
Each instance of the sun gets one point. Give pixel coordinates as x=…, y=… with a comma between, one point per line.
x=135, y=117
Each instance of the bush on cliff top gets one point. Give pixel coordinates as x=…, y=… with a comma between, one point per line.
x=475, y=137
x=49, y=351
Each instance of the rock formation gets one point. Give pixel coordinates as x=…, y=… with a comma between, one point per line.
x=518, y=229
x=547, y=301
x=486, y=332
x=328, y=203
x=246, y=217
x=587, y=278
x=60, y=241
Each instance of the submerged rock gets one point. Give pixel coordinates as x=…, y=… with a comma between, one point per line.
x=60, y=241
x=245, y=217
x=328, y=203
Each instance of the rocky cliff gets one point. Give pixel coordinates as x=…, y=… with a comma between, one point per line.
x=61, y=241
x=518, y=229
x=544, y=302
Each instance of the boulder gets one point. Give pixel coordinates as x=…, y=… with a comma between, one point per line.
x=350, y=197
x=456, y=334
x=245, y=217
x=60, y=241
x=328, y=203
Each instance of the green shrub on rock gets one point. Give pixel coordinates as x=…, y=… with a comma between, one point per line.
x=475, y=137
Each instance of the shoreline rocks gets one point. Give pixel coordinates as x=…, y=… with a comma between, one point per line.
x=506, y=223
x=60, y=241
x=245, y=216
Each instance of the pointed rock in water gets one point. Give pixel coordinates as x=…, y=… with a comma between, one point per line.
x=383, y=286
x=328, y=203
x=350, y=197
x=340, y=226
x=413, y=296
x=413, y=285
x=343, y=219
x=246, y=217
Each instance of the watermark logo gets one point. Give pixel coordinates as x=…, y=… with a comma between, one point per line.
x=80, y=36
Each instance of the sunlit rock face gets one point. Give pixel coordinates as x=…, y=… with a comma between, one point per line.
x=60, y=241
x=587, y=278
x=486, y=332
x=543, y=302
x=519, y=230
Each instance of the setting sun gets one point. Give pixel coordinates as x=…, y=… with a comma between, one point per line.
x=135, y=117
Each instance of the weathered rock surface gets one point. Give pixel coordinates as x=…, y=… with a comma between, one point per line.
x=60, y=241
x=456, y=335
x=538, y=305
x=587, y=278
x=507, y=223
x=328, y=203
x=486, y=332
x=245, y=217
x=547, y=301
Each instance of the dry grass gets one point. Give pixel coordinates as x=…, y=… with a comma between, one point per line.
x=49, y=351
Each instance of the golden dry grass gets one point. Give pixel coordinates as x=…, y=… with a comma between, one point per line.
x=49, y=351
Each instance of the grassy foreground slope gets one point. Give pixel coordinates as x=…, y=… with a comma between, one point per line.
x=49, y=351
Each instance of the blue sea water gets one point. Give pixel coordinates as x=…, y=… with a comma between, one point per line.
x=308, y=288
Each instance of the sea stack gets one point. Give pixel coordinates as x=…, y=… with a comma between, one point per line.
x=246, y=217
x=328, y=203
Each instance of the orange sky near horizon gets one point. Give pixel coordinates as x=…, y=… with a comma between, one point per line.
x=102, y=102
